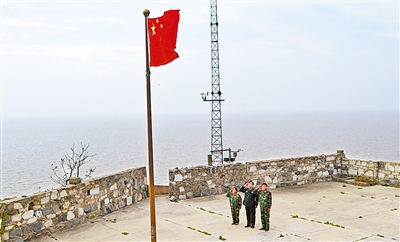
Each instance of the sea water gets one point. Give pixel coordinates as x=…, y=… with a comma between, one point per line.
x=31, y=145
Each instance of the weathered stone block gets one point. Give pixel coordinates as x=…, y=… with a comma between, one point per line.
x=268, y=179
x=16, y=218
x=37, y=226
x=28, y=214
x=31, y=220
x=63, y=193
x=15, y=233
x=369, y=174
x=17, y=206
x=62, y=217
x=129, y=201
x=330, y=158
x=54, y=195
x=352, y=171
x=253, y=168
x=94, y=191
x=5, y=236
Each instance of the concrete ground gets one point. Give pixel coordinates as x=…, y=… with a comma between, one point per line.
x=329, y=211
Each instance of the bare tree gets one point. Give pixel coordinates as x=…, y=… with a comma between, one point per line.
x=71, y=165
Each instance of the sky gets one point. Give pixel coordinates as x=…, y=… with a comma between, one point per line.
x=79, y=58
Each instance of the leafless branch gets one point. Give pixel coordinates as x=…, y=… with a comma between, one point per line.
x=71, y=165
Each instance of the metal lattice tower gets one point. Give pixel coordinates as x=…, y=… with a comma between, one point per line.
x=216, y=123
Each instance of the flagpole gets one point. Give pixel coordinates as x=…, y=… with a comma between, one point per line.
x=153, y=233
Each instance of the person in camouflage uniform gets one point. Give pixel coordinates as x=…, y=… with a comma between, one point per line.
x=235, y=201
x=265, y=202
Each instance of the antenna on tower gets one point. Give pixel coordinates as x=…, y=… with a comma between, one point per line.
x=217, y=155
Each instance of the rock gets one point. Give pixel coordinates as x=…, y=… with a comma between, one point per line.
x=37, y=226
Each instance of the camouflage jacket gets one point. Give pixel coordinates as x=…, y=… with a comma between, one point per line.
x=265, y=198
x=235, y=200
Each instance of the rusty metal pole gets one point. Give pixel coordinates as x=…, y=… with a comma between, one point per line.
x=153, y=233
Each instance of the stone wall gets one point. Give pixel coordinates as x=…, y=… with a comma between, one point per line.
x=295, y=171
x=32, y=216
x=201, y=181
x=384, y=172
x=207, y=180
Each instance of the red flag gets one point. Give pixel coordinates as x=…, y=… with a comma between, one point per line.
x=162, y=35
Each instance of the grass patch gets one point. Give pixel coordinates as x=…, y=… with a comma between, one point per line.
x=396, y=195
x=379, y=235
x=344, y=185
x=125, y=233
x=200, y=231
x=209, y=211
x=360, y=216
x=393, y=209
x=332, y=224
x=362, y=196
x=112, y=220
x=312, y=220
x=221, y=238
x=373, y=197
x=342, y=192
x=203, y=232
x=359, y=188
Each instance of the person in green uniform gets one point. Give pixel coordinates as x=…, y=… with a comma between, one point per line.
x=265, y=203
x=235, y=201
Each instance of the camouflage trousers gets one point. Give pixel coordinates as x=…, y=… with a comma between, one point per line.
x=264, y=217
x=235, y=214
